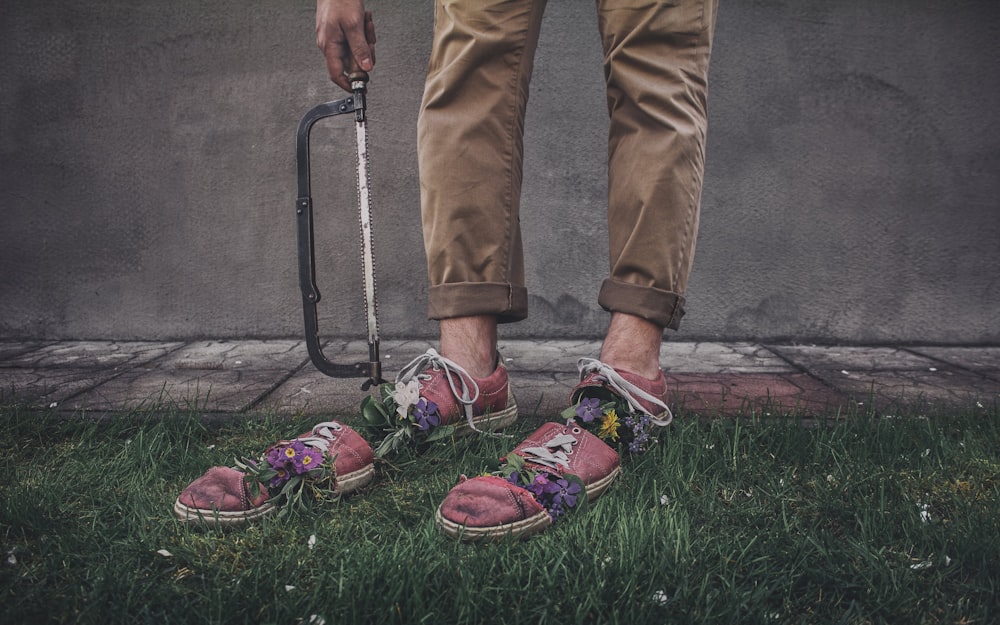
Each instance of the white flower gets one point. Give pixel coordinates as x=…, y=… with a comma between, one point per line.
x=664, y=500
x=925, y=515
x=405, y=396
x=312, y=541
x=289, y=588
x=316, y=619
x=660, y=598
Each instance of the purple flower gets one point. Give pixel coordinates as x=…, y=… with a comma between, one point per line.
x=426, y=413
x=588, y=409
x=566, y=494
x=276, y=457
x=278, y=479
x=542, y=485
x=514, y=478
x=308, y=460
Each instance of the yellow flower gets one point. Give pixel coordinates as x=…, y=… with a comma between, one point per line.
x=609, y=426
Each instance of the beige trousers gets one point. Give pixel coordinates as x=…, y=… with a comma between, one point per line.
x=470, y=149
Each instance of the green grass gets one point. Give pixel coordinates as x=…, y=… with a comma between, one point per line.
x=726, y=521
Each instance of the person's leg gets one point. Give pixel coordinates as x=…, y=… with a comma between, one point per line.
x=633, y=344
x=656, y=69
x=470, y=155
x=471, y=342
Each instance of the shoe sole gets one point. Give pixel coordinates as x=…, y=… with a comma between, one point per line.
x=518, y=529
x=346, y=484
x=490, y=421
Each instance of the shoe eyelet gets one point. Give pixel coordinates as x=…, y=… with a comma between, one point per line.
x=576, y=430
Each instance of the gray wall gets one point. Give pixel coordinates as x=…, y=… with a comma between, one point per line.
x=147, y=174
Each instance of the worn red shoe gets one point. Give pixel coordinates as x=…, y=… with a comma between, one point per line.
x=543, y=478
x=645, y=397
x=331, y=453
x=460, y=399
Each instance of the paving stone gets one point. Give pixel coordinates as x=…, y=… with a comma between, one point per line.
x=312, y=392
x=204, y=389
x=908, y=389
x=48, y=388
x=92, y=354
x=525, y=356
x=985, y=360
x=543, y=395
x=721, y=358
x=238, y=355
x=520, y=355
x=10, y=350
x=745, y=393
x=811, y=358
x=710, y=378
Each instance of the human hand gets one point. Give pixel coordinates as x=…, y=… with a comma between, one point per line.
x=345, y=33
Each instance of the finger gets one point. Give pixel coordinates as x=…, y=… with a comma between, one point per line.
x=335, y=67
x=369, y=28
x=370, y=34
x=357, y=41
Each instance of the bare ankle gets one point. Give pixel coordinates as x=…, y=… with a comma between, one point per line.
x=633, y=344
x=471, y=342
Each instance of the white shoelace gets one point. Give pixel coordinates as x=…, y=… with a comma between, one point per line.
x=433, y=360
x=624, y=388
x=553, y=453
x=322, y=435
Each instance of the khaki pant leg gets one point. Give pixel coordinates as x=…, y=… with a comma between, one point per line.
x=470, y=151
x=656, y=58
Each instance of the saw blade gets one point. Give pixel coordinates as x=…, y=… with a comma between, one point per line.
x=364, y=213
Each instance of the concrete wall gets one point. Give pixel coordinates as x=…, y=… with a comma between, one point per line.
x=147, y=174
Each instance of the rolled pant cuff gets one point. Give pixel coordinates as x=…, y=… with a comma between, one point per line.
x=466, y=299
x=664, y=308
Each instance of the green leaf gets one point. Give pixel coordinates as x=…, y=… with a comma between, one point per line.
x=568, y=413
x=442, y=431
x=385, y=391
x=373, y=411
x=515, y=462
x=390, y=443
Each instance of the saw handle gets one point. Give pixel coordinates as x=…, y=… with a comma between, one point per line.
x=359, y=85
x=307, y=248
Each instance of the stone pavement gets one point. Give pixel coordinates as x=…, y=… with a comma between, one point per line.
x=710, y=379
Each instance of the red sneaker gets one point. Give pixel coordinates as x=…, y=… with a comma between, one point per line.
x=332, y=454
x=543, y=478
x=453, y=397
x=647, y=397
